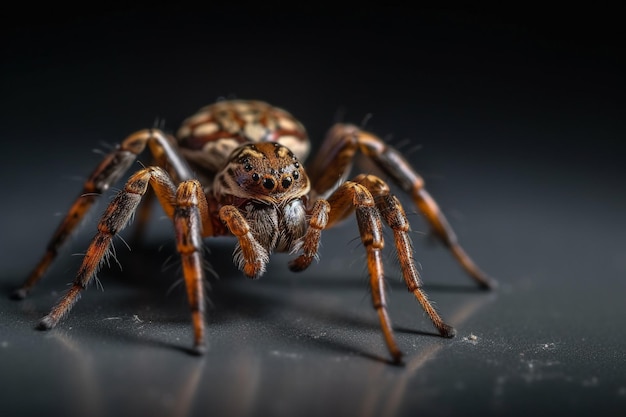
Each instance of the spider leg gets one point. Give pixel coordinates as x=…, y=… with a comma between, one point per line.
x=160, y=157
x=114, y=219
x=392, y=212
x=311, y=240
x=353, y=197
x=188, y=208
x=110, y=169
x=190, y=222
x=334, y=161
x=142, y=218
x=253, y=257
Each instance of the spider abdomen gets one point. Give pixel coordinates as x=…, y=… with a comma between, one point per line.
x=208, y=137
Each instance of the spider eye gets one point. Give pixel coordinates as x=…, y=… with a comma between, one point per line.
x=296, y=175
x=268, y=183
x=255, y=177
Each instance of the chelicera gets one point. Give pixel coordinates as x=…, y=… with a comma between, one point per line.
x=236, y=168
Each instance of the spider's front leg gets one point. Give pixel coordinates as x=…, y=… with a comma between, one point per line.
x=251, y=258
x=188, y=208
x=334, y=161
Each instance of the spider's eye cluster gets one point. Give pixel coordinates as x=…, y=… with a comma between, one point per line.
x=282, y=179
x=267, y=168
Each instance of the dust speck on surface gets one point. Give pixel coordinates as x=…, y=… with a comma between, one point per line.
x=547, y=346
x=472, y=338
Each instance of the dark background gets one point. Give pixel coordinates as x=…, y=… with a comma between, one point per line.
x=514, y=117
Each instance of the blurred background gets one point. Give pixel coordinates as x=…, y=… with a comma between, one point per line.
x=515, y=118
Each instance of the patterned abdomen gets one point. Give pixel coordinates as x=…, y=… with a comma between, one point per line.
x=217, y=129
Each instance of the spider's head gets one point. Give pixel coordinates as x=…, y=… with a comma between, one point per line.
x=265, y=171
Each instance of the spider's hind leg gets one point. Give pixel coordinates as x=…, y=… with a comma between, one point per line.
x=336, y=156
x=105, y=174
x=108, y=171
x=393, y=164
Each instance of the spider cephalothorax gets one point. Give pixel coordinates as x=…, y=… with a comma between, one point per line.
x=267, y=172
x=267, y=184
x=236, y=168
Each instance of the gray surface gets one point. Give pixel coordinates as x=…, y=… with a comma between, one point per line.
x=519, y=126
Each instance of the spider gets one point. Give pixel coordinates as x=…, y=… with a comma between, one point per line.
x=236, y=168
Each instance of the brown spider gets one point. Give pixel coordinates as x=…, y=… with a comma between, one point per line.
x=236, y=169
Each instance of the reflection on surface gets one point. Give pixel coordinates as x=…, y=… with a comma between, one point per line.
x=271, y=348
x=240, y=380
x=274, y=345
x=391, y=403
x=463, y=313
x=84, y=398
x=101, y=391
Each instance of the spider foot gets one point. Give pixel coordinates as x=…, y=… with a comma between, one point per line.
x=488, y=283
x=19, y=294
x=253, y=270
x=198, y=350
x=447, y=331
x=484, y=281
x=396, y=357
x=252, y=266
x=300, y=263
x=46, y=323
x=397, y=361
